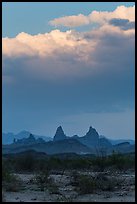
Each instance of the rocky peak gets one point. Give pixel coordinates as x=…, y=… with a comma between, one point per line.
x=31, y=137
x=92, y=133
x=59, y=135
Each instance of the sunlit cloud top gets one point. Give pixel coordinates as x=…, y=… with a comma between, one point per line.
x=100, y=17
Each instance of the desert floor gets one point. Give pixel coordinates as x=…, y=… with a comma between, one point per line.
x=66, y=191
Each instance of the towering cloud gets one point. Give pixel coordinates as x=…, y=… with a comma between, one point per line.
x=70, y=53
x=62, y=73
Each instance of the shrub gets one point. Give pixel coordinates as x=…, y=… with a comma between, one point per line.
x=84, y=184
x=106, y=183
x=10, y=182
x=44, y=181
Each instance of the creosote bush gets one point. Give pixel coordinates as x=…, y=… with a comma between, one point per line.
x=44, y=181
x=10, y=182
x=106, y=183
x=85, y=184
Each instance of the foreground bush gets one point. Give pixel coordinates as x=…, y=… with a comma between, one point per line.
x=10, y=182
x=85, y=184
x=106, y=183
x=45, y=182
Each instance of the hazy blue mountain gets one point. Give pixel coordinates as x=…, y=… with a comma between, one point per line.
x=90, y=143
x=104, y=142
x=7, y=138
x=52, y=147
x=93, y=140
x=124, y=147
x=29, y=140
x=59, y=135
x=114, y=142
x=90, y=139
x=118, y=141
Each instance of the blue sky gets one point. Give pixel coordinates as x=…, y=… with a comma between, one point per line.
x=69, y=64
x=34, y=18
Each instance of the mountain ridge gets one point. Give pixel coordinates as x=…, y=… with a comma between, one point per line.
x=8, y=138
x=90, y=143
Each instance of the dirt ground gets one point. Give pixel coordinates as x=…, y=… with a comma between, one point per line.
x=66, y=192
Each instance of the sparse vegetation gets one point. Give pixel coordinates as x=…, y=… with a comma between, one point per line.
x=45, y=182
x=86, y=175
x=86, y=184
x=121, y=162
x=10, y=182
x=107, y=183
x=30, y=163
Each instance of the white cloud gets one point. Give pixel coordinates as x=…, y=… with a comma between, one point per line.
x=41, y=44
x=79, y=45
x=57, y=42
x=100, y=17
x=70, y=21
x=71, y=53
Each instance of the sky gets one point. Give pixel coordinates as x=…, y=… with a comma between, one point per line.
x=70, y=64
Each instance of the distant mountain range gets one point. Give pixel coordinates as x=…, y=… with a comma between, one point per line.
x=7, y=138
x=90, y=143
